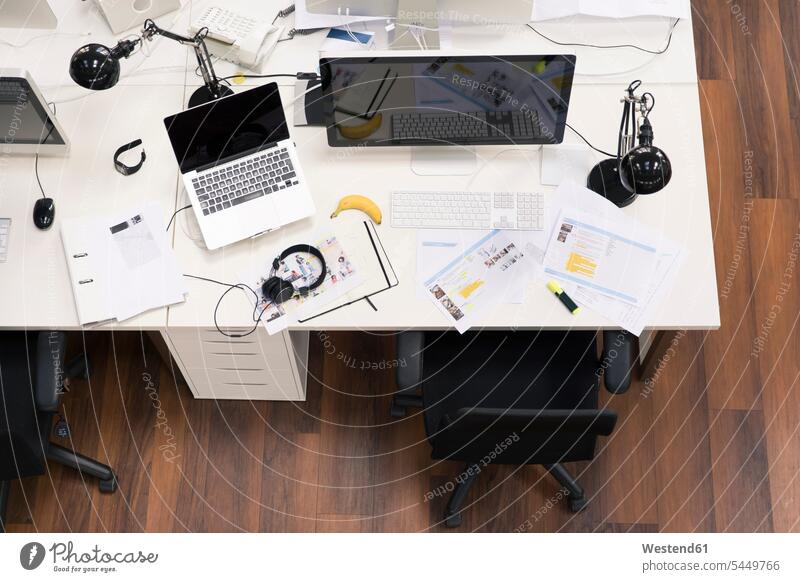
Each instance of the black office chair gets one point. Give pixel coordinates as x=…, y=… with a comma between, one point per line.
x=32, y=378
x=512, y=398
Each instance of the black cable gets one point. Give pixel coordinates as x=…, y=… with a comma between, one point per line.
x=174, y=214
x=294, y=76
x=52, y=105
x=230, y=287
x=36, y=171
x=580, y=135
x=613, y=46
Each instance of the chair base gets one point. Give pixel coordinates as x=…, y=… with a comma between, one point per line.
x=452, y=521
x=84, y=464
x=575, y=493
x=73, y=460
x=452, y=513
x=5, y=488
x=79, y=369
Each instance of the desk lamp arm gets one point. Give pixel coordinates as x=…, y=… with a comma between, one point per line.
x=198, y=43
x=628, y=124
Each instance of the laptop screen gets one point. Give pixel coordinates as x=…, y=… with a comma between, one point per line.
x=227, y=129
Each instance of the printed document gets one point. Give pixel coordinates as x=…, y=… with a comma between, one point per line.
x=633, y=318
x=486, y=273
x=617, y=260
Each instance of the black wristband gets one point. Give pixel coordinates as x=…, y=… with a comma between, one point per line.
x=122, y=168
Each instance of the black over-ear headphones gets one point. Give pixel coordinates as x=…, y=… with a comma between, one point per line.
x=279, y=291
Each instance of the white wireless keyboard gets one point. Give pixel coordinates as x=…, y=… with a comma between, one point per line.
x=468, y=210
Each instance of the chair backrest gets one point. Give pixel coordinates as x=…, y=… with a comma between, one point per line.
x=520, y=436
x=23, y=428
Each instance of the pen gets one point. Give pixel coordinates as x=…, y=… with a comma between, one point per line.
x=563, y=297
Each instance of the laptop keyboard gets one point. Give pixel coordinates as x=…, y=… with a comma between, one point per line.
x=221, y=188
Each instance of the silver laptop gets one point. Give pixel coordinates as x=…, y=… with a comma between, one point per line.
x=239, y=165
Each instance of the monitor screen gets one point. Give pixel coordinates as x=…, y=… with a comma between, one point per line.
x=228, y=128
x=25, y=120
x=446, y=100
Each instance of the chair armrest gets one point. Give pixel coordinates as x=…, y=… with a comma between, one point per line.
x=409, y=358
x=618, y=359
x=49, y=369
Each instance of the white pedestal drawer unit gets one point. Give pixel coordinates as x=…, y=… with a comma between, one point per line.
x=256, y=367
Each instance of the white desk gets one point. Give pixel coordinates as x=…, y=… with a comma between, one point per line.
x=593, y=66
x=36, y=292
x=273, y=367
x=46, y=53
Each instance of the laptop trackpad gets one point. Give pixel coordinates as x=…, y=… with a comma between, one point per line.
x=245, y=220
x=265, y=213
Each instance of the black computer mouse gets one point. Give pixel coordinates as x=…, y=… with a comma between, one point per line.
x=44, y=213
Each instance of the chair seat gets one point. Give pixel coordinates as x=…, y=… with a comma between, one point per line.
x=538, y=370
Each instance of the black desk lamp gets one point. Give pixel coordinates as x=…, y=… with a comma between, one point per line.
x=95, y=66
x=643, y=169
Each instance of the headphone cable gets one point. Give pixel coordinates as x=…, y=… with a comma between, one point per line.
x=231, y=286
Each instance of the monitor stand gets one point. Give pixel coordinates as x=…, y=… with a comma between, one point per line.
x=443, y=160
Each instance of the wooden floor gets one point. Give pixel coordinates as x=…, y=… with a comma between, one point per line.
x=712, y=445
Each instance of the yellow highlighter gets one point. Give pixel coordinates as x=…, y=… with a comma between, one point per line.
x=563, y=297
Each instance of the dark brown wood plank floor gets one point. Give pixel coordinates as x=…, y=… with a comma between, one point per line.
x=712, y=444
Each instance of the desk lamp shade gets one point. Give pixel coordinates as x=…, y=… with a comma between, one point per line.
x=645, y=169
x=95, y=66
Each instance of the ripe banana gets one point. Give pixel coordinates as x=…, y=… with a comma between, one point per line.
x=362, y=130
x=358, y=202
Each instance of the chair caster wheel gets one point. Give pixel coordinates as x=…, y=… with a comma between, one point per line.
x=452, y=520
x=397, y=411
x=576, y=505
x=109, y=485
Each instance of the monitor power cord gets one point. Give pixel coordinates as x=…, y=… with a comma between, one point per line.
x=298, y=76
x=580, y=135
x=613, y=46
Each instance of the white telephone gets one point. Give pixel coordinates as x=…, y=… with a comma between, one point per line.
x=237, y=38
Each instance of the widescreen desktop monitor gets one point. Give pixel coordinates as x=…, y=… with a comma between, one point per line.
x=440, y=99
